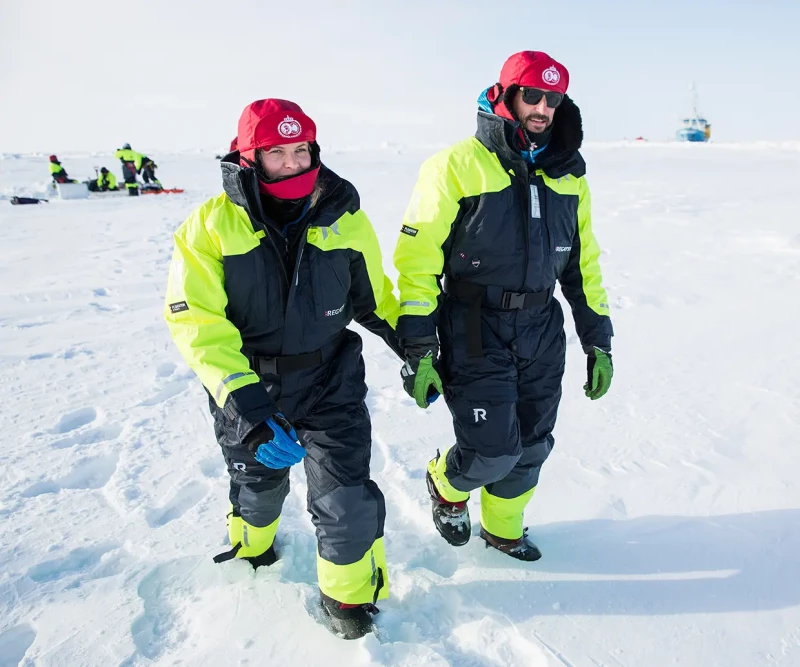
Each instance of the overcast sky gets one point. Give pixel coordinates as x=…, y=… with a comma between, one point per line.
x=175, y=74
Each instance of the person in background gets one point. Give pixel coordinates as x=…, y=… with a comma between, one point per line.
x=106, y=180
x=131, y=165
x=148, y=172
x=58, y=172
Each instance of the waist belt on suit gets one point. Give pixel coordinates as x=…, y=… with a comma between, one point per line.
x=491, y=296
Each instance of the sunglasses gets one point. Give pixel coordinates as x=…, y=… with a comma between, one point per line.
x=535, y=95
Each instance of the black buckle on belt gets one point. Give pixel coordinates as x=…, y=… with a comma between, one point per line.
x=512, y=301
x=281, y=365
x=265, y=365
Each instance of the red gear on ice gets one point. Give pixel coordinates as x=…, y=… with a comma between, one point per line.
x=234, y=145
x=528, y=69
x=273, y=122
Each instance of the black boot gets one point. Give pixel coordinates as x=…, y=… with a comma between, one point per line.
x=133, y=192
x=451, y=519
x=264, y=560
x=346, y=620
x=521, y=549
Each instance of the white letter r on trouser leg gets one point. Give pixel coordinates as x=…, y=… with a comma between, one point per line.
x=479, y=413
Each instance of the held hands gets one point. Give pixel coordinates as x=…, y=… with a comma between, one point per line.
x=420, y=379
x=274, y=443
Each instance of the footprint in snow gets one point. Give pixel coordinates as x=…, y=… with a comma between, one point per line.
x=92, y=472
x=174, y=383
x=73, y=352
x=212, y=467
x=430, y=555
x=31, y=325
x=186, y=497
x=623, y=303
x=166, y=369
x=104, y=309
x=161, y=624
x=90, y=437
x=170, y=389
x=86, y=562
x=75, y=419
x=380, y=454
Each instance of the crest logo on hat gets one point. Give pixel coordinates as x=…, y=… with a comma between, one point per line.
x=551, y=75
x=289, y=128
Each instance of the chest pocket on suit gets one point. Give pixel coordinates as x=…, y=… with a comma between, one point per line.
x=489, y=236
x=255, y=304
x=330, y=281
x=562, y=226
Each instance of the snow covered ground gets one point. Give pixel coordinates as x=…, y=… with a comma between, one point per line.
x=668, y=514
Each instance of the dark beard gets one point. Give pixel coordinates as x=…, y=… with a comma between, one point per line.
x=535, y=116
x=538, y=139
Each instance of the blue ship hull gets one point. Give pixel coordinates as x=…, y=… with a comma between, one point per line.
x=690, y=135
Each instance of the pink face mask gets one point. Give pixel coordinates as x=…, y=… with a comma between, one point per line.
x=293, y=187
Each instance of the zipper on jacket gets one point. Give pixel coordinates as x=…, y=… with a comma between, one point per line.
x=256, y=215
x=277, y=252
x=295, y=274
x=526, y=190
x=284, y=290
x=548, y=250
x=299, y=259
x=300, y=249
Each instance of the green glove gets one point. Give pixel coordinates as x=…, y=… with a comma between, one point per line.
x=420, y=379
x=600, y=370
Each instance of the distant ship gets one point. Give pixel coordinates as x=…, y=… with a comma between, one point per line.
x=695, y=128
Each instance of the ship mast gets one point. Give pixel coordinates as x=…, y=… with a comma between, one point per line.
x=694, y=100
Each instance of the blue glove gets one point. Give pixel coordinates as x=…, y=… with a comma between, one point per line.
x=281, y=449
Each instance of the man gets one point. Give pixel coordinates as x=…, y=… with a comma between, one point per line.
x=106, y=180
x=131, y=165
x=149, y=174
x=58, y=172
x=501, y=216
x=134, y=163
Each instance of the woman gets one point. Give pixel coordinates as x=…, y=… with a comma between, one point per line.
x=263, y=282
